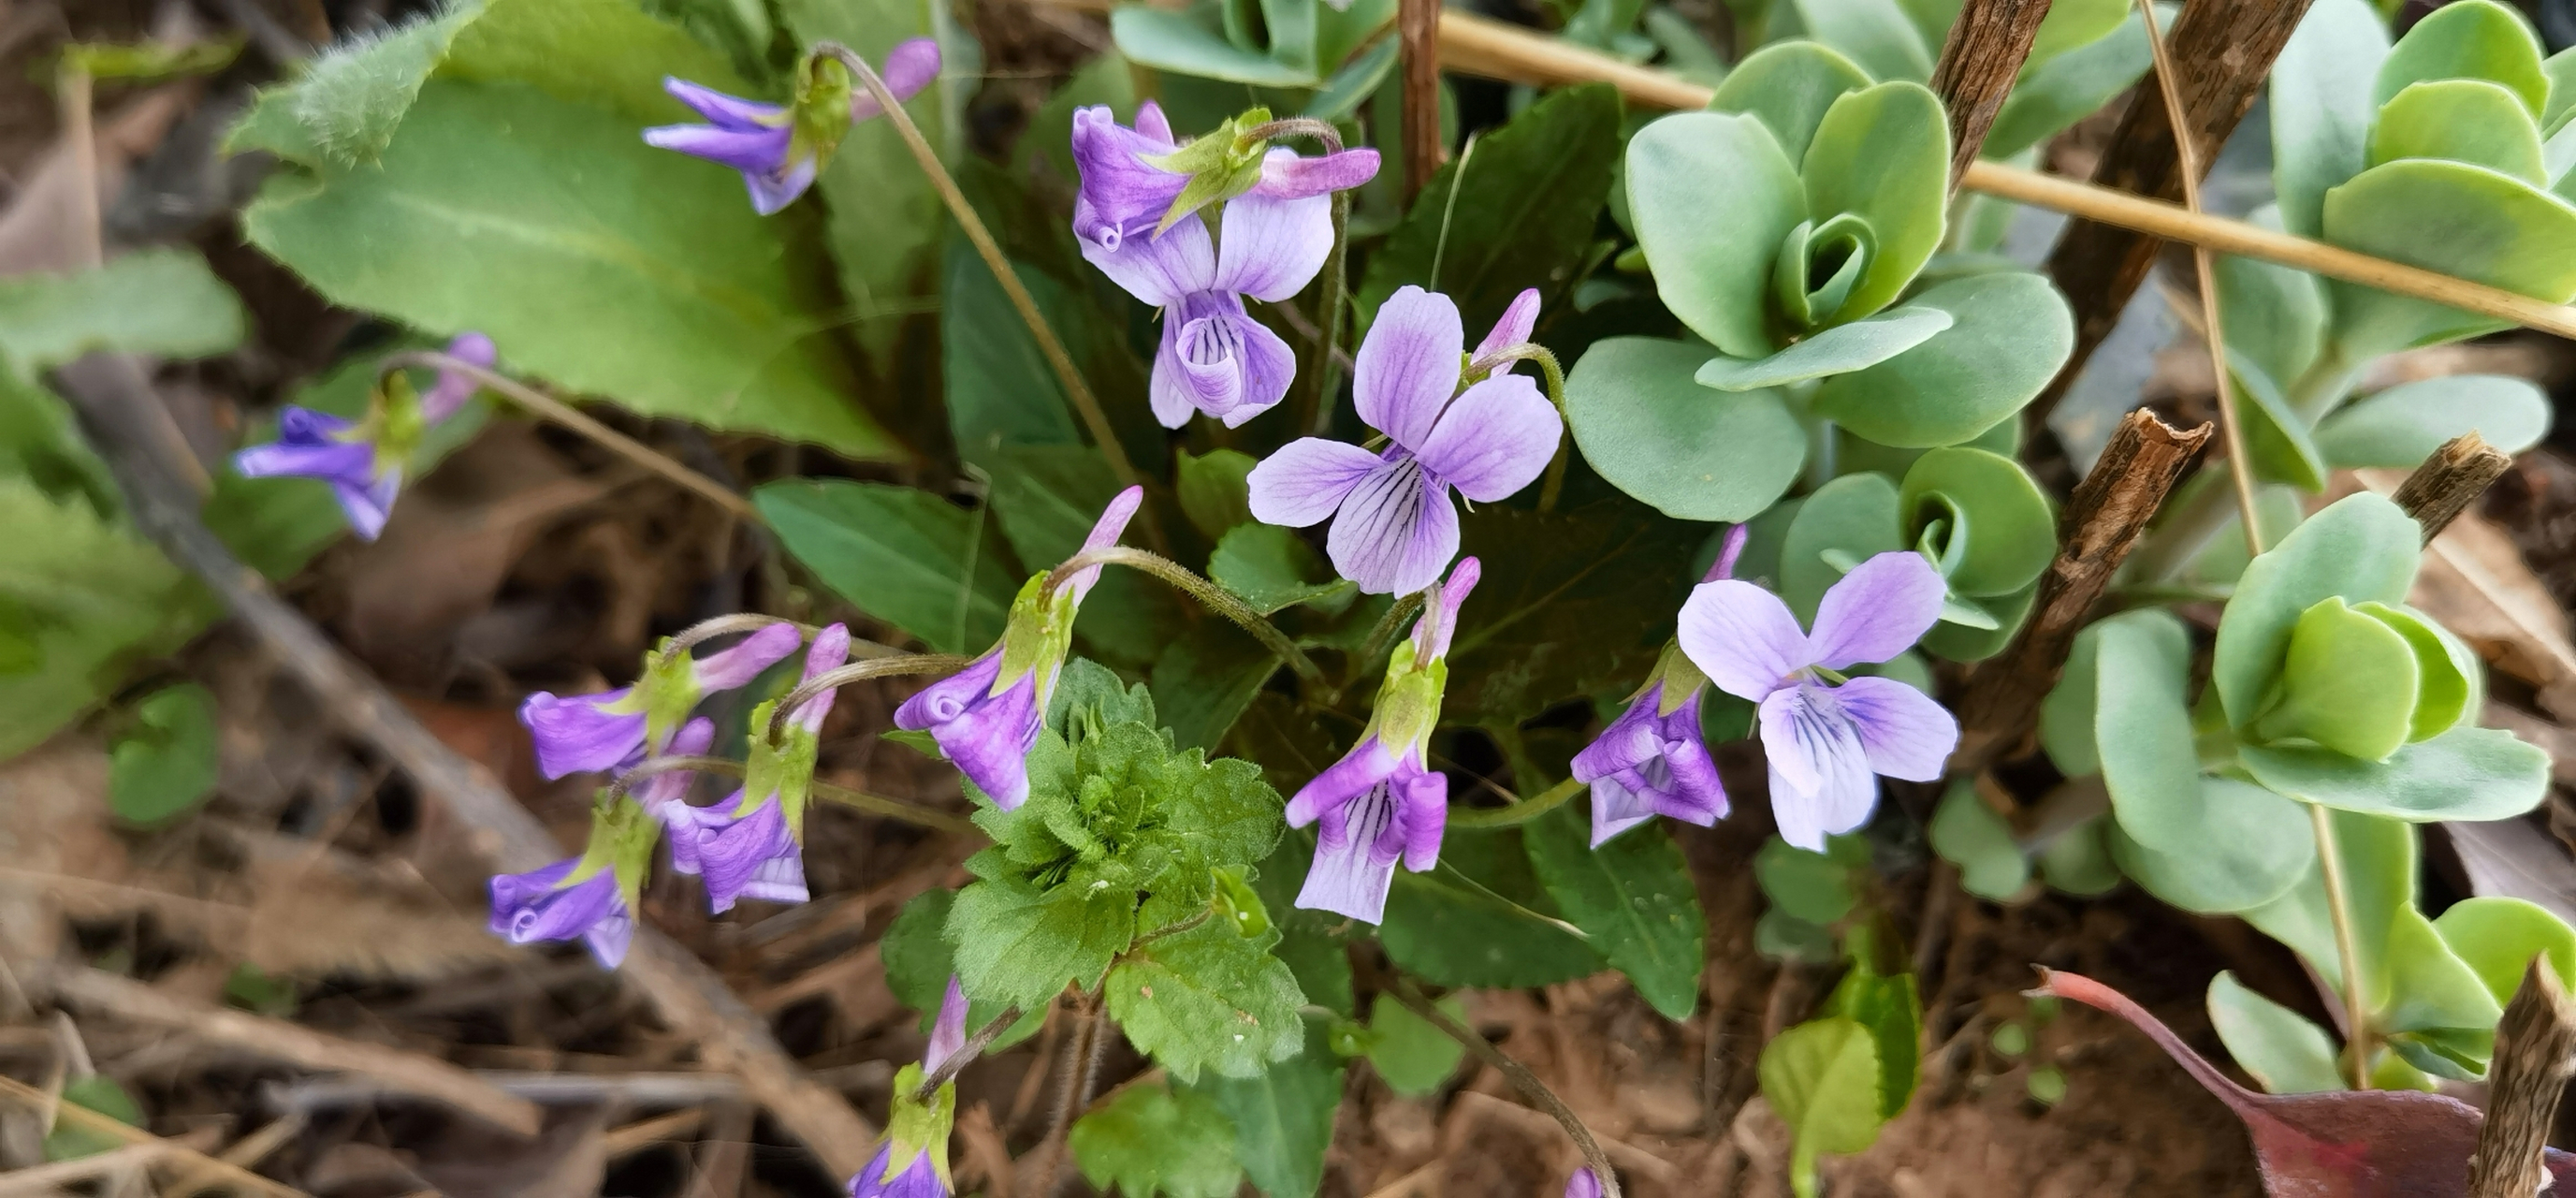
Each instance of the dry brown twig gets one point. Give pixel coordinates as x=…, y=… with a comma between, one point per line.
x=2534, y=1055
x=107, y=1125
x=1987, y=46
x=2450, y=480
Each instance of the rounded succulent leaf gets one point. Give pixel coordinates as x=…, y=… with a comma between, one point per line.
x=2349, y=684
x=2473, y=39
x=2403, y=425
x=2361, y=547
x=1883, y=154
x=2010, y=333
x=1712, y=196
x=1788, y=86
x=2462, y=120
x=2014, y=527
x=2451, y=217
x=1693, y=453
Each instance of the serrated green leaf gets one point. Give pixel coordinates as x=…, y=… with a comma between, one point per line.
x=90, y=598
x=1207, y=998
x=163, y=302
x=1283, y=1119
x=1410, y=1053
x=1692, y=453
x=1153, y=1139
x=345, y=107
x=604, y=53
x=167, y=763
x=1016, y=944
x=1823, y=1080
x=903, y=556
x=1089, y=695
x=2283, y=1051
x=1633, y=896
x=919, y=960
x=1887, y=1005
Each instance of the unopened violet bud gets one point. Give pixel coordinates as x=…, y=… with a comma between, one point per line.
x=454, y=387
x=1652, y=761
x=914, y=1162
x=948, y=1032
x=919, y=1175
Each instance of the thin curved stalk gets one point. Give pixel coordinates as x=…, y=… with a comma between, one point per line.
x=1215, y=598
x=966, y=1054
x=1521, y=1079
x=706, y=630
x=559, y=412
x=2358, y=1037
x=1518, y=813
x=1388, y=626
x=861, y=671
x=874, y=804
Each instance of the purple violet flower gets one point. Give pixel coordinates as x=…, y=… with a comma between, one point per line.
x=919, y=1178
x=1828, y=737
x=542, y=905
x=1394, y=525
x=664, y=794
x=610, y=729
x=364, y=460
x=777, y=160
x=1380, y=802
x=986, y=717
x=750, y=847
x=1653, y=760
x=918, y=1129
x=1583, y=1184
x=1215, y=358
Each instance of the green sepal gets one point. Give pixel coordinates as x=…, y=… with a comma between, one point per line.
x=395, y=423
x=1408, y=702
x=1038, y=637
x=666, y=692
x=914, y=1127
x=783, y=767
x=622, y=836
x=1680, y=676
x=1222, y=165
x=820, y=112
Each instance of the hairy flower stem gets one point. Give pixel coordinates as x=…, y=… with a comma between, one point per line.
x=1215, y=598
x=859, y=671
x=558, y=412
x=1518, y=813
x=966, y=1054
x=1521, y=1079
x=873, y=804
x=1087, y=405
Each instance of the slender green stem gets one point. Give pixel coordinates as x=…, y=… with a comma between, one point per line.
x=1519, y=1076
x=875, y=804
x=1518, y=813
x=860, y=671
x=1215, y=598
x=966, y=1054
x=2359, y=1039
x=1388, y=626
x=1329, y=328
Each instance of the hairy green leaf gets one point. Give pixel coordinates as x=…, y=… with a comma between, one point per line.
x=1154, y=1139
x=1633, y=896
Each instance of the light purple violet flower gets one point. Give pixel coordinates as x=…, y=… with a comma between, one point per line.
x=750, y=847
x=986, y=717
x=607, y=730
x=1653, y=760
x=760, y=140
x=918, y=1179
x=1583, y=1184
x=1380, y=802
x=363, y=461
x=1394, y=525
x=537, y=905
x=663, y=794
x=1827, y=737
x=1215, y=358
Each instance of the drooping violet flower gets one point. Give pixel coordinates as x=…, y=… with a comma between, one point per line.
x=364, y=460
x=780, y=147
x=610, y=729
x=914, y=1161
x=751, y=844
x=1395, y=526
x=665, y=793
x=986, y=717
x=1380, y=802
x=1126, y=193
x=591, y=896
x=1583, y=1184
x=1653, y=760
x=1828, y=737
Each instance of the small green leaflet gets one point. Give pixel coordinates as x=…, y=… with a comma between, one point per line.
x=1152, y=1139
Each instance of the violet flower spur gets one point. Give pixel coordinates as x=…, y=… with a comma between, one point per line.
x=1828, y=737
x=751, y=844
x=914, y=1161
x=986, y=717
x=1394, y=525
x=1380, y=802
x=364, y=460
x=614, y=728
x=780, y=147
x=1653, y=760
x=591, y=896
x=665, y=794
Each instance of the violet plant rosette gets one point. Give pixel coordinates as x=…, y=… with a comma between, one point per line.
x=1654, y=760
x=1270, y=242
x=779, y=148
x=914, y=1161
x=592, y=896
x=363, y=461
x=1381, y=803
x=1453, y=422
x=751, y=845
x=986, y=717
x=612, y=729
x=1828, y=737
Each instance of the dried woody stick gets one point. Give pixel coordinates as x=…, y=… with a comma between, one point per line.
x=688, y=995
x=1984, y=54
x=2450, y=480
x=2535, y=1053
x=1419, y=24
x=2102, y=522
x=108, y=1125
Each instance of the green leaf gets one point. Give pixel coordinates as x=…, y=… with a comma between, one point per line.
x=2379, y=862
x=1153, y=1139
x=2429, y=989
x=1889, y=1007
x=2403, y=425
x=2473, y=39
x=1539, y=183
x=2055, y=92
x=1633, y=896
x=1852, y=519
x=2078, y=860
x=167, y=764
x=2322, y=107
x=1477, y=919
x=2499, y=938
x=345, y=107
x=2561, y=69
x=2277, y=439
x=1572, y=603
x=1016, y=944
x=82, y=600
x=1812, y=887
x=2066, y=715
x=2461, y=120
x=1273, y=568
x=1692, y=453
x=1206, y=678
x=2275, y=317
x=1883, y=154
x=1001, y=393
x=1283, y=1119
x=903, y=556
x=2283, y=1051
x=1091, y=696
x=1822, y=1078
x=1192, y=43
x=2464, y=774
x=646, y=278
x=97, y=1092
x=2075, y=24
x=2257, y=846
x=2009, y=526
x=1213, y=491
x=162, y=302
x=2461, y=220
x=1970, y=835
x=1712, y=196
x=1780, y=936
x=2361, y=547
x=1207, y=998
x=2349, y=683
x=40, y=442
x=1788, y=86
x=919, y=960
x=1875, y=33
x=2012, y=333
x=1837, y=350
x=605, y=53
x=1412, y=1055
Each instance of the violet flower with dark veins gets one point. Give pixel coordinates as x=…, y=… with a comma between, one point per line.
x=1381, y=803
x=1828, y=737
x=1653, y=760
x=751, y=844
x=364, y=460
x=615, y=728
x=986, y=717
x=780, y=147
x=1395, y=526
